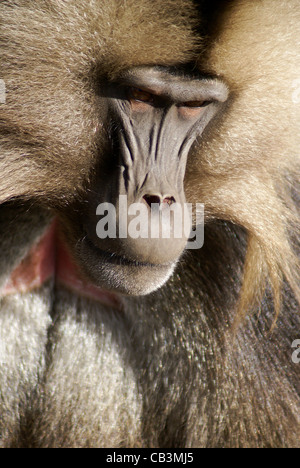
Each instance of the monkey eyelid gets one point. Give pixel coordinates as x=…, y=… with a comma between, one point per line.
x=161, y=85
x=195, y=104
x=149, y=97
x=140, y=95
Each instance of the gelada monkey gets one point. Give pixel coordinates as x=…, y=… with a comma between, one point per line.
x=124, y=342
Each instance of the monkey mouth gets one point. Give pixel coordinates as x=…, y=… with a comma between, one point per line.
x=115, y=272
x=107, y=275
x=116, y=259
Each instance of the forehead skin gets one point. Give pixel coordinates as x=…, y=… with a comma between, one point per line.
x=177, y=87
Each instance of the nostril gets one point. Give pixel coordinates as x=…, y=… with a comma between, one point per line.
x=169, y=200
x=159, y=200
x=150, y=199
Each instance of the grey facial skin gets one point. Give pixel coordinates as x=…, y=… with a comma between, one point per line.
x=154, y=118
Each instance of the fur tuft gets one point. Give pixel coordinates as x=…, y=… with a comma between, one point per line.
x=249, y=167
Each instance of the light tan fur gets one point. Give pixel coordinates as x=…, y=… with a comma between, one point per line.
x=248, y=169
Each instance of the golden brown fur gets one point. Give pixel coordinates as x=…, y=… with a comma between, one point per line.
x=166, y=372
x=249, y=169
x=58, y=55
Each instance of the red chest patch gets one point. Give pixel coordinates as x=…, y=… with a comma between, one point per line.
x=49, y=258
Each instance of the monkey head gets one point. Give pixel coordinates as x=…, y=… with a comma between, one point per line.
x=151, y=116
x=104, y=118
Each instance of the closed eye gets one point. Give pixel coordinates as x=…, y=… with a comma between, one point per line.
x=194, y=104
x=192, y=109
x=139, y=95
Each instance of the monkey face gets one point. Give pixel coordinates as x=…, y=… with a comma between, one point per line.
x=153, y=117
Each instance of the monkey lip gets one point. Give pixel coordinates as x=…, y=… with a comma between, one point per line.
x=116, y=259
x=119, y=273
x=50, y=259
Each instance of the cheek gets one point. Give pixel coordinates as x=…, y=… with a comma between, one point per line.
x=190, y=184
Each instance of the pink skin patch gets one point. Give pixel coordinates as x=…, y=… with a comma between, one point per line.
x=49, y=258
x=36, y=268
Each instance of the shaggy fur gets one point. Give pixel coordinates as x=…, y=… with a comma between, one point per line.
x=53, y=57
x=166, y=371
x=249, y=173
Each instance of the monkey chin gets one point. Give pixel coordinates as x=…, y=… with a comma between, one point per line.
x=121, y=275
x=104, y=280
